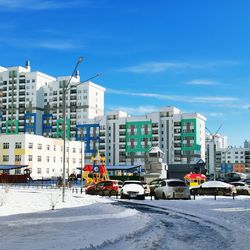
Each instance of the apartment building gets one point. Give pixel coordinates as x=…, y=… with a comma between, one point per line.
x=213, y=143
x=125, y=140
x=22, y=99
x=44, y=156
x=233, y=159
x=31, y=102
x=84, y=101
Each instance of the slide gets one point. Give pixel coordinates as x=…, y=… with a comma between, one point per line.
x=85, y=176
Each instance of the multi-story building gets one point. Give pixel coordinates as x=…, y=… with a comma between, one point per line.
x=85, y=101
x=31, y=102
x=213, y=143
x=22, y=99
x=233, y=159
x=126, y=139
x=246, y=144
x=43, y=156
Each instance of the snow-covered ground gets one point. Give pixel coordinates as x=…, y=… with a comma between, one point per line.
x=92, y=222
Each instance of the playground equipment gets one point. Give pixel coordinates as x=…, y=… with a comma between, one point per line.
x=96, y=172
x=193, y=179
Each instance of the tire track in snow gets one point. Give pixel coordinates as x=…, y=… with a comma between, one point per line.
x=172, y=229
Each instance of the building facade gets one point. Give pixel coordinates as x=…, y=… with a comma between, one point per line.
x=31, y=102
x=44, y=156
x=233, y=159
x=125, y=140
x=213, y=143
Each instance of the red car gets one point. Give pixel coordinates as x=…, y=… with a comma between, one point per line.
x=108, y=188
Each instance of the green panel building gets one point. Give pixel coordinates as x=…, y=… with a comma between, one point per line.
x=190, y=138
x=138, y=136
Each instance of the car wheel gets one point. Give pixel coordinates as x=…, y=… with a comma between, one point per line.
x=220, y=192
x=164, y=196
x=245, y=192
x=156, y=197
x=112, y=193
x=122, y=196
x=143, y=197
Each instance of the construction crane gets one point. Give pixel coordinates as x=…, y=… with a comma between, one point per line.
x=214, y=147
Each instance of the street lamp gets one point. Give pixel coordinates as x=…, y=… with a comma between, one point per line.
x=66, y=87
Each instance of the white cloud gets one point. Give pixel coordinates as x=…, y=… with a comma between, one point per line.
x=40, y=5
x=140, y=110
x=153, y=67
x=215, y=114
x=57, y=45
x=157, y=67
x=187, y=99
x=201, y=82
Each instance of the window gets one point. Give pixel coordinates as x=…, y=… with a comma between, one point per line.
x=33, y=80
x=39, y=158
x=54, y=159
x=30, y=145
x=47, y=158
x=74, y=150
x=5, y=158
x=18, y=145
x=74, y=160
x=39, y=146
x=17, y=157
x=47, y=170
x=48, y=147
x=6, y=145
x=29, y=157
x=54, y=147
x=39, y=170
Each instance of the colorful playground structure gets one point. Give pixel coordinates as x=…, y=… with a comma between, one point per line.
x=96, y=172
x=193, y=179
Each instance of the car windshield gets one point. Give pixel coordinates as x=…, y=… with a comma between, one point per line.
x=176, y=184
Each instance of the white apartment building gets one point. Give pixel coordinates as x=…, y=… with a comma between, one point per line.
x=236, y=157
x=31, y=102
x=21, y=95
x=44, y=156
x=125, y=140
x=212, y=145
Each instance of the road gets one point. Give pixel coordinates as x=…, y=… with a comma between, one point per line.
x=174, y=230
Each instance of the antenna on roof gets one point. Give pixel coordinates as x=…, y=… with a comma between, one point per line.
x=27, y=64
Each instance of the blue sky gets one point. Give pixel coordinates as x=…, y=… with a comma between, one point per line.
x=190, y=54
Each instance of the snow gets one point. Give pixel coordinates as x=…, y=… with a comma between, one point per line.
x=215, y=184
x=90, y=222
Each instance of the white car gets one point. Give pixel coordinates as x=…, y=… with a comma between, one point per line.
x=172, y=189
x=241, y=187
x=213, y=188
x=132, y=189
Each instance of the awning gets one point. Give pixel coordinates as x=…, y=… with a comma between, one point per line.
x=129, y=167
x=9, y=167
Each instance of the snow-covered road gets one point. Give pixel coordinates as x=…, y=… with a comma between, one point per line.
x=92, y=222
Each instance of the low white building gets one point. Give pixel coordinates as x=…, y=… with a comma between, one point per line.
x=44, y=156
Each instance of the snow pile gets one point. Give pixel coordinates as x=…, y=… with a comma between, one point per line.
x=81, y=222
x=216, y=184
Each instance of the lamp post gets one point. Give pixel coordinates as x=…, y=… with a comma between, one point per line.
x=66, y=87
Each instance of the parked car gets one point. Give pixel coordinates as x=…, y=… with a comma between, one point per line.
x=213, y=188
x=241, y=187
x=234, y=176
x=246, y=181
x=154, y=184
x=172, y=189
x=146, y=188
x=108, y=188
x=132, y=189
